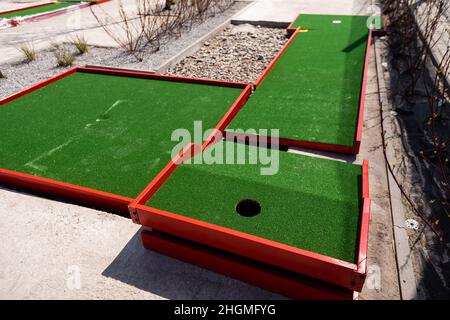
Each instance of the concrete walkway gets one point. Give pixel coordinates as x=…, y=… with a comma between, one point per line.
x=82, y=22
x=282, y=12
x=62, y=28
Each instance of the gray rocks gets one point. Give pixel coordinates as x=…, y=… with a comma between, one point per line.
x=21, y=75
x=240, y=53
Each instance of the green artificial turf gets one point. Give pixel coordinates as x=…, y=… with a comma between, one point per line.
x=313, y=91
x=314, y=22
x=104, y=132
x=41, y=9
x=311, y=203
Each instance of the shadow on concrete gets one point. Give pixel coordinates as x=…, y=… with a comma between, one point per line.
x=172, y=279
x=41, y=194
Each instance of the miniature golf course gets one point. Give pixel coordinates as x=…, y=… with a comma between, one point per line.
x=108, y=133
x=36, y=10
x=311, y=203
x=313, y=91
x=111, y=131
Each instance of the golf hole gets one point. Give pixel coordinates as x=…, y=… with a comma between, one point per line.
x=248, y=208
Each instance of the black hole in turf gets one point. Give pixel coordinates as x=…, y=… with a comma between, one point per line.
x=248, y=208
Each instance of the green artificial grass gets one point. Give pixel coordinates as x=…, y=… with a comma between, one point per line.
x=311, y=203
x=314, y=22
x=313, y=91
x=104, y=132
x=41, y=9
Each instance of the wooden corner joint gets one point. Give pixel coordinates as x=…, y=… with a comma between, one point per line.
x=134, y=215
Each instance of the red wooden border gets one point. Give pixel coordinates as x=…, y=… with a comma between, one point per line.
x=38, y=86
x=189, y=151
x=290, y=29
x=362, y=98
x=232, y=112
x=61, y=189
x=134, y=74
x=285, y=283
x=29, y=7
x=364, y=225
x=275, y=60
x=335, y=271
x=231, y=136
x=88, y=195
x=157, y=76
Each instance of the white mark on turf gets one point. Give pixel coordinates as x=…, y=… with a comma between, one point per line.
x=114, y=105
x=32, y=163
x=105, y=114
x=154, y=163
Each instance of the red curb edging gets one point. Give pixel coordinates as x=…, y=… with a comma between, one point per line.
x=263, y=276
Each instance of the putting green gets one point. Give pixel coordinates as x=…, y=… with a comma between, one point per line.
x=313, y=21
x=104, y=132
x=311, y=203
x=41, y=9
x=313, y=91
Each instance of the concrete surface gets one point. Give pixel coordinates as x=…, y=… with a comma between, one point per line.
x=441, y=36
x=282, y=12
x=407, y=281
x=55, y=250
x=382, y=279
x=62, y=28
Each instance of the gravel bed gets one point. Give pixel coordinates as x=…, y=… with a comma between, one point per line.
x=240, y=53
x=20, y=75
